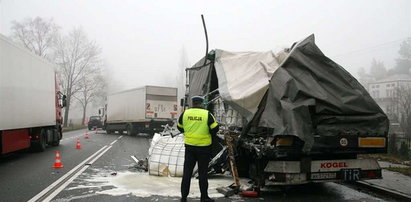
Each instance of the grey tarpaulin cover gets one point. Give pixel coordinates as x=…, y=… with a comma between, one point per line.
x=308, y=94
x=199, y=75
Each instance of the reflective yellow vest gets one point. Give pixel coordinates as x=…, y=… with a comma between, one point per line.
x=196, y=130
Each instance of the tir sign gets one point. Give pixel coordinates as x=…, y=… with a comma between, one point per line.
x=350, y=174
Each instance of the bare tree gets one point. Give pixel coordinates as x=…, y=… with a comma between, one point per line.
x=77, y=57
x=38, y=35
x=404, y=61
x=92, y=87
x=377, y=69
x=402, y=101
x=101, y=91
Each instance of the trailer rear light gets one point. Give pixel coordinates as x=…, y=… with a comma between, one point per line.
x=249, y=193
x=371, y=174
x=371, y=142
x=284, y=141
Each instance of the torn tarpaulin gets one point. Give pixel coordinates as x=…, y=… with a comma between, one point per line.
x=309, y=95
x=306, y=94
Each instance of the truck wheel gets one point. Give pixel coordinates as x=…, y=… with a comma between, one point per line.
x=55, y=143
x=257, y=173
x=43, y=141
x=130, y=130
x=56, y=138
x=40, y=145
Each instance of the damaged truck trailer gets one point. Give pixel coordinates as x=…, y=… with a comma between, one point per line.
x=296, y=116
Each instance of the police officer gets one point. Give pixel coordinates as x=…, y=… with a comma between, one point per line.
x=198, y=125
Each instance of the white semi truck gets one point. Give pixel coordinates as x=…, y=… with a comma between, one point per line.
x=141, y=110
x=30, y=100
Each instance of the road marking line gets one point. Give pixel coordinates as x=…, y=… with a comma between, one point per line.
x=47, y=189
x=116, y=140
x=57, y=182
x=59, y=189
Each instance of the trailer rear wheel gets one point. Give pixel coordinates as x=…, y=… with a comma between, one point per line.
x=256, y=173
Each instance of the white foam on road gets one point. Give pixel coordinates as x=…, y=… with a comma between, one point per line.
x=145, y=185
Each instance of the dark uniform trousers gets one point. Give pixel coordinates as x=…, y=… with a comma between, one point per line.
x=195, y=154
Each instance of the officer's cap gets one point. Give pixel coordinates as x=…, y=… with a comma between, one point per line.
x=197, y=99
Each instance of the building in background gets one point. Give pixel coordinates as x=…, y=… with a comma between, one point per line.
x=390, y=93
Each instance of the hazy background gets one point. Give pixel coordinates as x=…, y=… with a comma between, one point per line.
x=144, y=42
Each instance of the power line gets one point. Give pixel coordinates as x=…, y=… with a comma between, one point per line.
x=370, y=48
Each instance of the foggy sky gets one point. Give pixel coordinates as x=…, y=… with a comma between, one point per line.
x=142, y=41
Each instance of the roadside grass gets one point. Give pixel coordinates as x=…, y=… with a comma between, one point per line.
x=405, y=171
x=392, y=159
x=387, y=157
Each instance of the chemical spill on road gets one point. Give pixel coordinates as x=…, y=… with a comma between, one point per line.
x=141, y=184
x=144, y=185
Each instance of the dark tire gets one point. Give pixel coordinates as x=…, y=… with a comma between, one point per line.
x=57, y=137
x=257, y=174
x=108, y=130
x=130, y=130
x=89, y=128
x=55, y=143
x=41, y=144
x=243, y=163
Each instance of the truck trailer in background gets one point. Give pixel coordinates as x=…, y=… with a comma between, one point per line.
x=141, y=110
x=30, y=100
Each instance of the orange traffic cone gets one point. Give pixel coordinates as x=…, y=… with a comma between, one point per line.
x=86, y=136
x=57, y=163
x=78, y=146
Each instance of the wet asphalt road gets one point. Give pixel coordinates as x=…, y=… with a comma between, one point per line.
x=24, y=175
